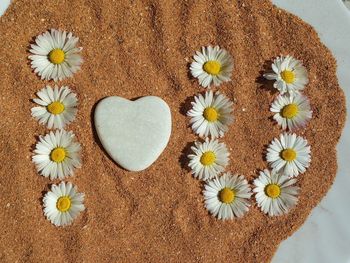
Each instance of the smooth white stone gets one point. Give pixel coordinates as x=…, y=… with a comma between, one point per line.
x=133, y=133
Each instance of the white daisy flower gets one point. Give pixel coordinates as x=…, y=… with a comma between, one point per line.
x=212, y=66
x=227, y=197
x=57, y=154
x=63, y=204
x=55, y=55
x=209, y=159
x=57, y=107
x=289, y=155
x=276, y=193
x=292, y=111
x=211, y=115
x=289, y=73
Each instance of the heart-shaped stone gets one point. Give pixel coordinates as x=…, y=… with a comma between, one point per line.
x=133, y=133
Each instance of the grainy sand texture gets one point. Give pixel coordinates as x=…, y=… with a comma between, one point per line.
x=138, y=48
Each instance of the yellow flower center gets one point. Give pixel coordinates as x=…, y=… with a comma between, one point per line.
x=288, y=76
x=273, y=190
x=58, y=155
x=212, y=67
x=290, y=111
x=288, y=155
x=227, y=195
x=56, y=56
x=208, y=158
x=64, y=203
x=55, y=107
x=210, y=114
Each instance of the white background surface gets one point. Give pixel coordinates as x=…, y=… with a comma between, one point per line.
x=325, y=236
x=3, y=5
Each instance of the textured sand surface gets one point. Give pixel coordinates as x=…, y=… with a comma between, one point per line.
x=137, y=48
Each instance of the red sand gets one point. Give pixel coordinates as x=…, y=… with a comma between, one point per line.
x=137, y=48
